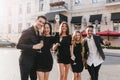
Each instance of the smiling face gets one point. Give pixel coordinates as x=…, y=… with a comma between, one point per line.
x=47, y=29
x=89, y=31
x=78, y=36
x=64, y=28
x=39, y=23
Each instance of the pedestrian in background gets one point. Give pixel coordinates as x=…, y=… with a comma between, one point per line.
x=29, y=43
x=77, y=55
x=63, y=45
x=94, y=55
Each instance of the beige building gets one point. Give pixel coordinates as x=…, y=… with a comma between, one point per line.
x=103, y=14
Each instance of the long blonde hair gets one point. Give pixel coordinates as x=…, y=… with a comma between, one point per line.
x=74, y=41
x=74, y=38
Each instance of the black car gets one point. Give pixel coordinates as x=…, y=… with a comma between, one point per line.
x=6, y=43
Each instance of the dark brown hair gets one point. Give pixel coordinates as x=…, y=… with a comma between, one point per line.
x=50, y=26
x=90, y=26
x=60, y=30
x=41, y=17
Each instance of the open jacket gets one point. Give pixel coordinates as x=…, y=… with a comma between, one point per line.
x=98, y=41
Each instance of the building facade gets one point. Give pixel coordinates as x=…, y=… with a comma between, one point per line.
x=102, y=14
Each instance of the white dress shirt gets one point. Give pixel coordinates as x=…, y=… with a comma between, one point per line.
x=94, y=57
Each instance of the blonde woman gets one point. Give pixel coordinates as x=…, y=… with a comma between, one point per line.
x=77, y=55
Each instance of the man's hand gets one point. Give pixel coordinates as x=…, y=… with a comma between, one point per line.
x=38, y=46
x=106, y=42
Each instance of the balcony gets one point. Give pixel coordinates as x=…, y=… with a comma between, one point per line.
x=58, y=6
x=112, y=2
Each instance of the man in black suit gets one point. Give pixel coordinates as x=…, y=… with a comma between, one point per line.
x=94, y=55
x=29, y=43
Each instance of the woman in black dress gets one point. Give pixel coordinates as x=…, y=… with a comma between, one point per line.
x=77, y=50
x=63, y=45
x=44, y=58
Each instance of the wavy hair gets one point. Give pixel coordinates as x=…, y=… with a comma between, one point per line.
x=60, y=29
x=74, y=38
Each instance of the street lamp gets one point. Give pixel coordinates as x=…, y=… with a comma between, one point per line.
x=57, y=19
x=84, y=22
x=95, y=27
x=105, y=19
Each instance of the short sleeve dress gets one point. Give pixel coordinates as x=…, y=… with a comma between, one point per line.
x=63, y=55
x=44, y=61
x=78, y=67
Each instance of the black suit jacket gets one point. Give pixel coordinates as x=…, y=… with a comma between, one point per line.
x=27, y=40
x=98, y=41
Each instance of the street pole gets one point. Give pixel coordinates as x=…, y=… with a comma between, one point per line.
x=57, y=19
x=95, y=27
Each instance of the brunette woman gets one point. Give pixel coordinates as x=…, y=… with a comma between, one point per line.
x=63, y=45
x=44, y=59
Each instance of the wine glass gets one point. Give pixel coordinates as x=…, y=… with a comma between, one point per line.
x=60, y=38
x=41, y=41
x=74, y=63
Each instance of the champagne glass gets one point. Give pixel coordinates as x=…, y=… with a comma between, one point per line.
x=60, y=38
x=74, y=63
x=41, y=41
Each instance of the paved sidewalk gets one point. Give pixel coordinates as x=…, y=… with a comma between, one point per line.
x=117, y=51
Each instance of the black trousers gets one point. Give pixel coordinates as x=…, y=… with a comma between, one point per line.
x=27, y=68
x=94, y=71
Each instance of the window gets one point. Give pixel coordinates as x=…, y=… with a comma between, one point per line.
x=19, y=27
x=97, y=27
x=95, y=1
x=40, y=5
x=28, y=8
x=20, y=10
x=77, y=26
x=116, y=26
x=61, y=0
x=77, y=2
x=9, y=28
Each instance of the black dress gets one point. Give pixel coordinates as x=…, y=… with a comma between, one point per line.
x=78, y=58
x=63, y=55
x=44, y=59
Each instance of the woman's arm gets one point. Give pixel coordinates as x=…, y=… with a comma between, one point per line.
x=72, y=52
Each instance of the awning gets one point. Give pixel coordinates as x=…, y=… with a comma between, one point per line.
x=93, y=18
x=108, y=33
x=76, y=20
x=51, y=17
x=115, y=16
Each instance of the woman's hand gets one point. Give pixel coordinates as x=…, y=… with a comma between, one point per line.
x=73, y=57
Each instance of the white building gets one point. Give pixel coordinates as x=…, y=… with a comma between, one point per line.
x=103, y=14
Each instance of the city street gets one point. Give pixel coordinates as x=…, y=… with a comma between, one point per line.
x=9, y=67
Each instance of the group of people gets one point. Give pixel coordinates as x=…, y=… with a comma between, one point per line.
x=36, y=59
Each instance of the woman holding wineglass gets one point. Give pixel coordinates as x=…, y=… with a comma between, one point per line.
x=77, y=56
x=63, y=46
x=44, y=62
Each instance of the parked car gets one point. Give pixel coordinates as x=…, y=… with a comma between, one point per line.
x=6, y=43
